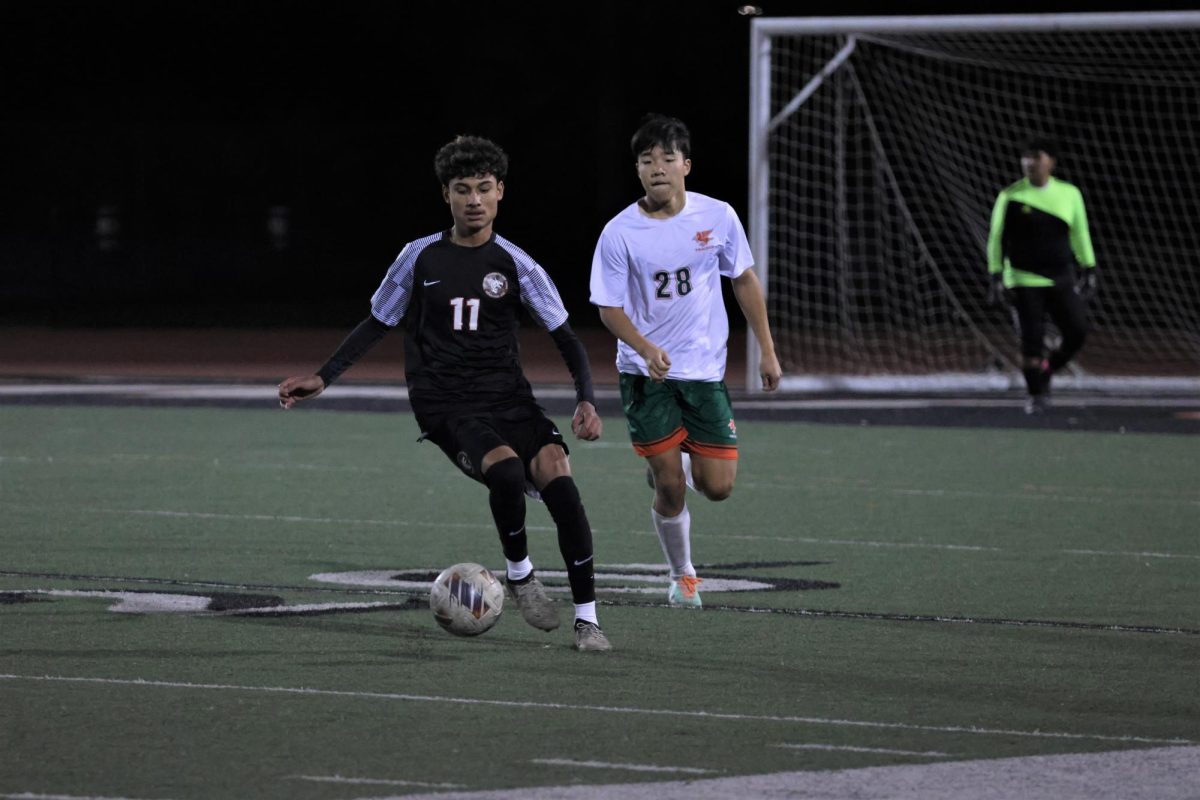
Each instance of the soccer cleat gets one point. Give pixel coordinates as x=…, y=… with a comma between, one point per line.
x=685, y=592
x=589, y=637
x=532, y=493
x=1036, y=404
x=530, y=597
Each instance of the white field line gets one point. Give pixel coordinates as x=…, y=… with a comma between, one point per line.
x=567, y=762
x=1140, y=774
x=341, y=779
x=1098, y=495
x=851, y=749
x=267, y=392
x=572, y=707
x=488, y=526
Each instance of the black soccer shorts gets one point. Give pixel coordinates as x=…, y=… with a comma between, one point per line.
x=466, y=438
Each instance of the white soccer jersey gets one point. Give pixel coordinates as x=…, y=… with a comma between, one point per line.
x=666, y=275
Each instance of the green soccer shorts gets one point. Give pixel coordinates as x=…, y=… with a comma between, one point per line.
x=695, y=415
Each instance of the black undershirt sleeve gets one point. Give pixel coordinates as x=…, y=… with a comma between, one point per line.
x=365, y=336
x=575, y=355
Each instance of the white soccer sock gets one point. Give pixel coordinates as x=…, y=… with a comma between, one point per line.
x=519, y=570
x=586, y=612
x=687, y=471
x=674, y=534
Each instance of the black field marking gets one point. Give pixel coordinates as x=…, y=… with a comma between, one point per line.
x=12, y=598
x=883, y=616
x=895, y=617
x=216, y=584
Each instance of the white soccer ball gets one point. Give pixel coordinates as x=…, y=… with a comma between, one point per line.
x=466, y=599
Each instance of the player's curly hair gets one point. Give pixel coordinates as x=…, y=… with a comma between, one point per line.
x=667, y=132
x=470, y=157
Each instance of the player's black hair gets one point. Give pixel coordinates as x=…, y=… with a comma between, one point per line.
x=470, y=157
x=1039, y=144
x=667, y=132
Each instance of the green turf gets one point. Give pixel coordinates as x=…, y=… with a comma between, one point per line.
x=914, y=526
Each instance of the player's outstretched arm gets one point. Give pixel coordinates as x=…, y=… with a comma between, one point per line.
x=299, y=387
x=305, y=387
x=749, y=294
x=621, y=326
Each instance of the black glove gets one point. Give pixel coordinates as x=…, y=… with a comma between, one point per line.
x=1088, y=283
x=997, y=295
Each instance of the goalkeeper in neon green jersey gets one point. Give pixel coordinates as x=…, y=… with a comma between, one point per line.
x=1039, y=239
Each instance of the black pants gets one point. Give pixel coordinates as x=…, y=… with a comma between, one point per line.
x=1067, y=310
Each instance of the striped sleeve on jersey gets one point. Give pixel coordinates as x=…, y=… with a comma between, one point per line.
x=538, y=292
x=389, y=304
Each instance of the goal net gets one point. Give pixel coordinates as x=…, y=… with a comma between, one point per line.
x=878, y=146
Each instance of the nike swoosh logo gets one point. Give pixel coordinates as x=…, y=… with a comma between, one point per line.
x=556, y=433
x=517, y=532
x=431, y=283
x=584, y=561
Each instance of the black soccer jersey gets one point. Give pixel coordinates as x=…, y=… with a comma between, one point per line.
x=460, y=307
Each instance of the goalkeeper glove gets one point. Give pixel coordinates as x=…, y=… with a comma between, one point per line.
x=1088, y=283
x=997, y=295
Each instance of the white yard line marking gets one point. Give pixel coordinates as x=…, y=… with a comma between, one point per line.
x=567, y=762
x=1129, y=553
x=850, y=749
x=341, y=779
x=657, y=712
x=150, y=512
x=487, y=526
x=1162, y=774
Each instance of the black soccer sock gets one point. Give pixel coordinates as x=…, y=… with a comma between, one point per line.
x=1035, y=380
x=506, y=486
x=574, y=536
x=1058, y=359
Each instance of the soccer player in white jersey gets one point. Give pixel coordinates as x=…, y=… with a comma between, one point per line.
x=458, y=295
x=656, y=278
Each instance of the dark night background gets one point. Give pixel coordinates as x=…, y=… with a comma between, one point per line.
x=261, y=163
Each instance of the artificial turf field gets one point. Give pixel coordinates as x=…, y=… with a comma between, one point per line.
x=874, y=597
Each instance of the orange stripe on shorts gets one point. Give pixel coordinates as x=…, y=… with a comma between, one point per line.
x=726, y=451
x=662, y=445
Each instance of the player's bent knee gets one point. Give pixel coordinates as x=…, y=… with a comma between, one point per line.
x=717, y=492
x=506, y=476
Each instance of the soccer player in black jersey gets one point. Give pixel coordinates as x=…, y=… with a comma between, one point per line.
x=1039, y=238
x=458, y=295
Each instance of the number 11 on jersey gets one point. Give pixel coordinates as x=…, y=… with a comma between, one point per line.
x=472, y=305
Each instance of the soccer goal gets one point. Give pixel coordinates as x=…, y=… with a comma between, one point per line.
x=878, y=146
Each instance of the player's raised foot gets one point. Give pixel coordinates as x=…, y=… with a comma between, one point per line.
x=536, y=608
x=589, y=637
x=685, y=592
x=1037, y=404
x=532, y=493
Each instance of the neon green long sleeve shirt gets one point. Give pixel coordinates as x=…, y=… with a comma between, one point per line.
x=1039, y=234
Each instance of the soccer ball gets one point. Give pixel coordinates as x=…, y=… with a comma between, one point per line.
x=466, y=599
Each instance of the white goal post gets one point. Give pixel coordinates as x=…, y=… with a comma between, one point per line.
x=878, y=146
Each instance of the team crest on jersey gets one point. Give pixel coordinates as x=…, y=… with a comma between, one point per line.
x=704, y=239
x=495, y=285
